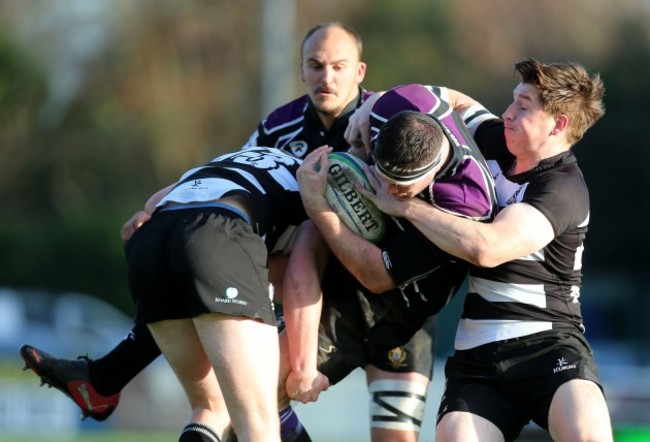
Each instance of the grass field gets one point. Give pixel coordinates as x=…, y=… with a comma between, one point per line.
x=104, y=436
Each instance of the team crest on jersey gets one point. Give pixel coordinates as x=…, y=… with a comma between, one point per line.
x=396, y=357
x=298, y=148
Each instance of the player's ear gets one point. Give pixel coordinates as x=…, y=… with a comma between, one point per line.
x=361, y=72
x=561, y=123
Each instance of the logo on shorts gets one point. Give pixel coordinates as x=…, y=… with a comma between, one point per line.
x=563, y=364
x=396, y=357
x=231, y=297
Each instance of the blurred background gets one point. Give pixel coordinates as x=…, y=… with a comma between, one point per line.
x=103, y=102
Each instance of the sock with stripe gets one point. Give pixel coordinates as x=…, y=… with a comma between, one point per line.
x=195, y=432
x=291, y=430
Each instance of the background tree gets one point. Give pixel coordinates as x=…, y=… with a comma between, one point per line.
x=102, y=102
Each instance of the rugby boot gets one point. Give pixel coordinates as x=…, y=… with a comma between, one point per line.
x=71, y=378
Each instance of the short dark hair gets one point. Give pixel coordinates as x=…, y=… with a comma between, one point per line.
x=408, y=145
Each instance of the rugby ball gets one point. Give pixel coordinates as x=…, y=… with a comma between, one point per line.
x=356, y=211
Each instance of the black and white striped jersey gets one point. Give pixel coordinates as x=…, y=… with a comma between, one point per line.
x=265, y=176
x=540, y=291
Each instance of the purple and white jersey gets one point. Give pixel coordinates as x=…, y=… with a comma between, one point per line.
x=464, y=187
x=296, y=128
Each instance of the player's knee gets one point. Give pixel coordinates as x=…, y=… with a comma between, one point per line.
x=597, y=432
x=397, y=404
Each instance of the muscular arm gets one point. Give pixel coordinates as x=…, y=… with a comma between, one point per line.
x=360, y=257
x=302, y=301
x=518, y=230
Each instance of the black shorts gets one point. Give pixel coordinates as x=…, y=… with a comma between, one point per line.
x=417, y=355
x=190, y=261
x=512, y=382
x=358, y=329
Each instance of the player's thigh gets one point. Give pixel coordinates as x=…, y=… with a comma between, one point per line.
x=180, y=344
x=579, y=412
x=460, y=426
x=397, y=404
x=374, y=374
x=245, y=355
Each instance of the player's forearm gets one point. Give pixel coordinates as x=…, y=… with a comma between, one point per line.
x=302, y=297
x=455, y=235
x=302, y=335
x=302, y=303
x=359, y=256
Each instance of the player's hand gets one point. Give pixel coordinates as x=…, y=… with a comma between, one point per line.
x=138, y=219
x=306, y=387
x=359, y=152
x=312, y=180
x=380, y=195
x=357, y=134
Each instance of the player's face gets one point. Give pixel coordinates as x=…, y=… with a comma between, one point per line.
x=332, y=71
x=526, y=125
x=407, y=191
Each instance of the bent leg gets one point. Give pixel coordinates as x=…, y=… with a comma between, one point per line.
x=461, y=426
x=182, y=348
x=245, y=356
x=579, y=413
x=113, y=371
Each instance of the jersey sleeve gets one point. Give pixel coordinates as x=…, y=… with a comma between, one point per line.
x=474, y=116
x=562, y=198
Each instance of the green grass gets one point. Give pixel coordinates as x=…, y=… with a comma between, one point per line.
x=108, y=436
x=632, y=434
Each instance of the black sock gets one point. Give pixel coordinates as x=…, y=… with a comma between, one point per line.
x=291, y=430
x=195, y=432
x=113, y=371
